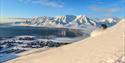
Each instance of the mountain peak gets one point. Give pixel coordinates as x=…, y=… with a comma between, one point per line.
x=81, y=16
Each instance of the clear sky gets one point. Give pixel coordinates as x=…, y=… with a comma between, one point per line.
x=93, y=8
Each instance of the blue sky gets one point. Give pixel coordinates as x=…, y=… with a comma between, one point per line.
x=91, y=8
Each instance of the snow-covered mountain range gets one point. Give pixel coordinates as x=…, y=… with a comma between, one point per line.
x=60, y=21
x=67, y=21
x=108, y=21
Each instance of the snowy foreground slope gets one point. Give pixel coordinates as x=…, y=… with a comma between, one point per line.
x=108, y=47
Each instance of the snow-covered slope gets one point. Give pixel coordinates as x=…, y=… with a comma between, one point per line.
x=108, y=21
x=108, y=47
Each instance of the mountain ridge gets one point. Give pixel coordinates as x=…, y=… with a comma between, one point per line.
x=67, y=21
